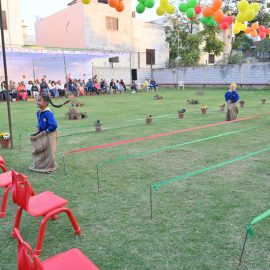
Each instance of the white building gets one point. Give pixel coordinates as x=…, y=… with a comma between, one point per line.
x=97, y=26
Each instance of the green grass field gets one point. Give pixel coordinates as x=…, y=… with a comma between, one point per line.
x=198, y=221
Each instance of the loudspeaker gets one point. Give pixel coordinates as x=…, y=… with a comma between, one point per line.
x=134, y=74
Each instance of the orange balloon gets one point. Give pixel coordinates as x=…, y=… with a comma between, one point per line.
x=120, y=6
x=248, y=30
x=217, y=4
x=255, y=26
x=207, y=12
x=218, y=16
x=254, y=33
x=113, y=3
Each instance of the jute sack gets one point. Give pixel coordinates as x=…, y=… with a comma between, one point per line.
x=44, y=152
x=232, y=111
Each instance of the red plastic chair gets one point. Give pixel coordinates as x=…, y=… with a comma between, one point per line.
x=6, y=183
x=3, y=164
x=72, y=259
x=45, y=204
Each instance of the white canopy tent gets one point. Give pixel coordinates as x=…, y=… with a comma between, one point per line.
x=28, y=63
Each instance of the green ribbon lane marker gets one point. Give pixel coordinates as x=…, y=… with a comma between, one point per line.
x=181, y=177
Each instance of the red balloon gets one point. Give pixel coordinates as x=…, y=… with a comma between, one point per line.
x=267, y=31
x=262, y=35
x=198, y=9
x=224, y=25
x=262, y=28
x=229, y=19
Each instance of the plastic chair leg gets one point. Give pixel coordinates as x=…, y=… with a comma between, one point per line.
x=4, y=201
x=17, y=221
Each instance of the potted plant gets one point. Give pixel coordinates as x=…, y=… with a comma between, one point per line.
x=4, y=140
x=204, y=109
x=263, y=100
x=242, y=103
x=222, y=107
x=181, y=113
x=149, y=119
x=98, y=125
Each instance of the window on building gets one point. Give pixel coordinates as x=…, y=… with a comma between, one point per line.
x=150, y=56
x=111, y=23
x=114, y=59
x=4, y=19
x=211, y=58
x=103, y=1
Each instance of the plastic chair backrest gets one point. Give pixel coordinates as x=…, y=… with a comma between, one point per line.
x=21, y=190
x=26, y=258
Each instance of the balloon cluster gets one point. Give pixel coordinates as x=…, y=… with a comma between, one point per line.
x=190, y=8
x=226, y=22
x=117, y=4
x=257, y=30
x=86, y=2
x=247, y=12
x=212, y=14
x=144, y=4
x=238, y=27
x=165, y=7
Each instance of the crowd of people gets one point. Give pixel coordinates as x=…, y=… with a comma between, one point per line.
x=77, y=87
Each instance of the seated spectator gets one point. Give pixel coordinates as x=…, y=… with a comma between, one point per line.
x=28, y=87
x=134, y=87
x=13, y=90
x=145, y=85
x=22, y=92
x=44, y=88
x=89, y=87
x=96, y=87
x=113, y=86
x=34, y=90
x=123, y=84
x=119, y=87
x=104, y=86
x=61, y=89
x=153, y=85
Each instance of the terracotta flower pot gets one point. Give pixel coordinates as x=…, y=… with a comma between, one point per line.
x=181, y=115
x=204, y=111
x=98, y=128
x=148, y=120
x=5, y=143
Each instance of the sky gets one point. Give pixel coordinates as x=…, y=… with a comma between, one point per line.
x=31, y=9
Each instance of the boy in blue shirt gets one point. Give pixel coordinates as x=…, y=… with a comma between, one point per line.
x=232, y=97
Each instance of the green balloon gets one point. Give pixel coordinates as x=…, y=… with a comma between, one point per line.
x=211, y=21
x=190, y=13
x=204, y=20
x=140, y=8
x=183, y=7
x=141, y=1
x=192, y=3
x=149, y=3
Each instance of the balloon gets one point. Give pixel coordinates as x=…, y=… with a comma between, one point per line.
x=192, y=3
x=211, y=21
x=255, y=26
x=255, y=7
x=229, y=19
x=183, y=7
x=236, y=29
x=262, y=28
x=149, y=3
x=249, y=14
x=207, y=12
x=240, y=17
x=267, y=31
x=164, y=3
x=113, y=3
x=120, y=7
x=243, y=5
x=140, y=8
x=86, y=2
x=160, y=11
x=262, y=35
x=198, y=9
x=204, y=20
x=190, y=13
x=217, y=4
x=243, y=27
x=170, y=9
x=224, y=25
x=218, y=16
x=254, y=33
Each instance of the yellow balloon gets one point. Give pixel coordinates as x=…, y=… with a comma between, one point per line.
x=170, y=9
x=86, y=1
x=249, y=14
x=243, y=27
x=240, y=17
x=160, y=11
x=164, y=3
x=236, y=30
x=243, y=5
x=255, y=7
